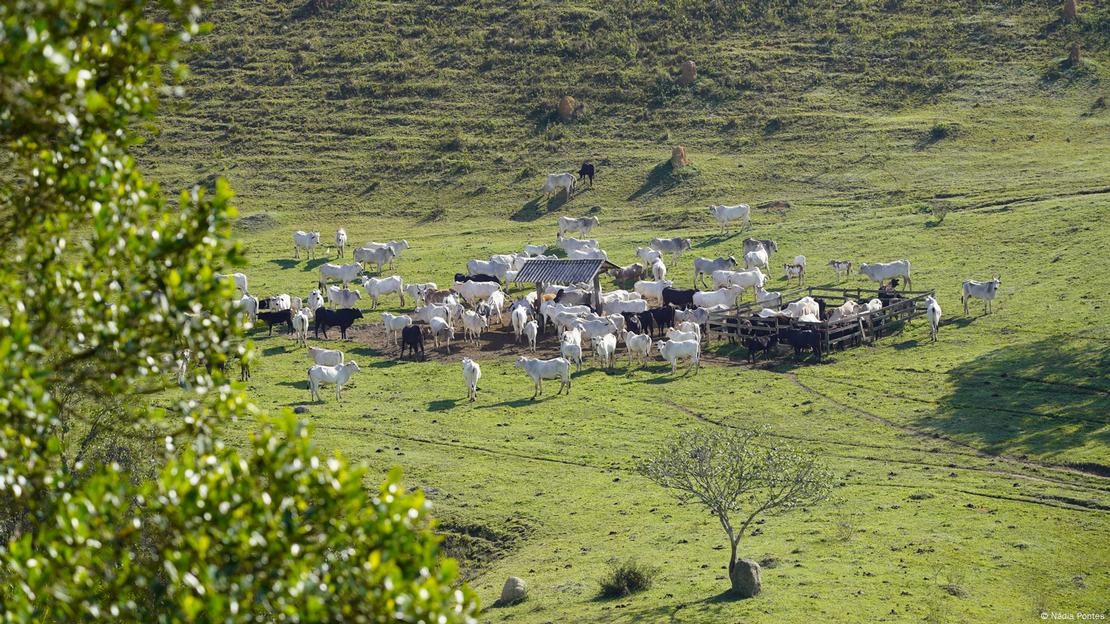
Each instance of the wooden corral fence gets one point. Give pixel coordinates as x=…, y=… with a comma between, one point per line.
x=742, y=320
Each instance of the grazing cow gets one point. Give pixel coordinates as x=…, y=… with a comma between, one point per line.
x=340, y=241
x=582, y=225
x=249, y=304
x=381, y=256
x=679, y=298
x=531, y=329
x=802, y=339
x=587, y=171
x=325, y=357
x=471, y=374
x=630, y=273
x=376, y=287
x=473, y=324
x=556, y=182
x=754, y=259
x=673, y=351
x=932, y=311
x=727, y=214
x=394, y=324
x=755, y=244
x=659, y=270
x=271, y=318
x=413, y=338
x=587, y=254
x=441, y=328
x=724, y=296
x=240, y=280
x=428, y=312
x=539, y=370
x=534, y=250
x=986, y=291
x=569, y=243
x=459, y=277
x=673, y=246
x=337, y=375
x=638, y=345
x=345, y=273
x=882, y=271
x=706, y=266
x=482, y=267
x=647, y=255
x=307, y=241
x=300, y=327
x=744, y=279
x=841, y=266
x=760, y=344
x=343, y=319
x=795, y=270
x=396, y=246
x=652, y=290
x=473, y=291
x=343, y=298
x=606, y=349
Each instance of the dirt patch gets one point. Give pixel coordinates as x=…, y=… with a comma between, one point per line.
x=256, y=222
x=477, y=545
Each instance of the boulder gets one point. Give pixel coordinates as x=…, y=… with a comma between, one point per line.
x=514, y=591
x=678, y=158
x=300, y=409
x=688, y=72
x=746, y=581
x=569, y=108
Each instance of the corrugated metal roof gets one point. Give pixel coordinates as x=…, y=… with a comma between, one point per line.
x=564, y=272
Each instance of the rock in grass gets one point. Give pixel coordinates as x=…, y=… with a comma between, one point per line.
x=514, y=591
x=746, y=581
x=300, y=409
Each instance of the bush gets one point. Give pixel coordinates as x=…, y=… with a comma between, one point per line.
x=626, y=578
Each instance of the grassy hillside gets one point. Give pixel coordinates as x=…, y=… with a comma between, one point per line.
x=972, y=472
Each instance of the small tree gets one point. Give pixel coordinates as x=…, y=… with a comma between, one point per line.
x=739, y=476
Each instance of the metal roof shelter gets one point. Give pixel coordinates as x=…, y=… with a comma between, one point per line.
x=565, y=273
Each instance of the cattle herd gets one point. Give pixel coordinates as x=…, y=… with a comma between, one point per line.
x=645, y=310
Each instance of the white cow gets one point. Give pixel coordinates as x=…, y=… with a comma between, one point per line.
x=343, y=298
x=572, y=353
x=802, y=307
x=582, y=225
x=727, y=214
x=473, y=324
x=345, y=273
x=250, y=307
x=307, y=241
x=315, y=301
x=473, y=291
x=482, y=267
x=672, y=351
x=647, y=255
x=340, y=241
x=932, y=311
x=598, y=328
x=428, y=312
x=416, y=291
x=380, y=256
x=531, y=329
x=606, y=349
x=652, y=290
x=300, y=327
x=394, y=323
x=986, y=291
x=376, y=287
x=882, y=271
x=570, y=243
x=240, y=280
x=745, y=279
x=518, y=317
x=706, y=266
x=765, y=298
x=325, y=357
x=674, y=246
x=396, y=246
x=754, y=259
x=539, y=370
x=441, y=328
x=557, y=181
x=534, y=250
x=659, y=270
x=495, y=304
x=725, y=296
x=638, y=345
x=635, y=306
x=337, y=375
x=471, y=374
x=587, y=254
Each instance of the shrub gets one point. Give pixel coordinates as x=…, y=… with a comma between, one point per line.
x=627, y=577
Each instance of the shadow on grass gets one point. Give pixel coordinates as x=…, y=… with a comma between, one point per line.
x=546, y=396
x=442, y=405
x=659, y=180
x=1046, y=397
x=716, y=239
x=273, y=350
x=300, y=385
x=312, y=265
x=285, y=263
x=531, y=210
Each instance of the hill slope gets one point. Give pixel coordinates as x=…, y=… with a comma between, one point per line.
x=973, y=471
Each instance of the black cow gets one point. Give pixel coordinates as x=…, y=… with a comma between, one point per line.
x=343, y=319
x=888, y=294
x=802, y=339
x=413, y=338
x=662, y=318
x=646, y=322
x=274, y=317
x=632, y=322
x=756, y=344
x=587, y=171
x=679, y=297
x=481, y=277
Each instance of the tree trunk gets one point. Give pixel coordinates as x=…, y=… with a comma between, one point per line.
x=744, y=575
x=1070, y=11
x=1073, y=55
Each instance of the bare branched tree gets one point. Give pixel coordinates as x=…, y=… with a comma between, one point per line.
x=738, y=475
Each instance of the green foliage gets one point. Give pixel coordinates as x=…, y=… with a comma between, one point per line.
x=627, y=577
x=106, y=285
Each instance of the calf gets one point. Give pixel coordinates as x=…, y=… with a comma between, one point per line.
x=841, y=266
x=395, y=323
x=760, y=344
x=271, y=318
x=413, y=338
x=343, y=319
